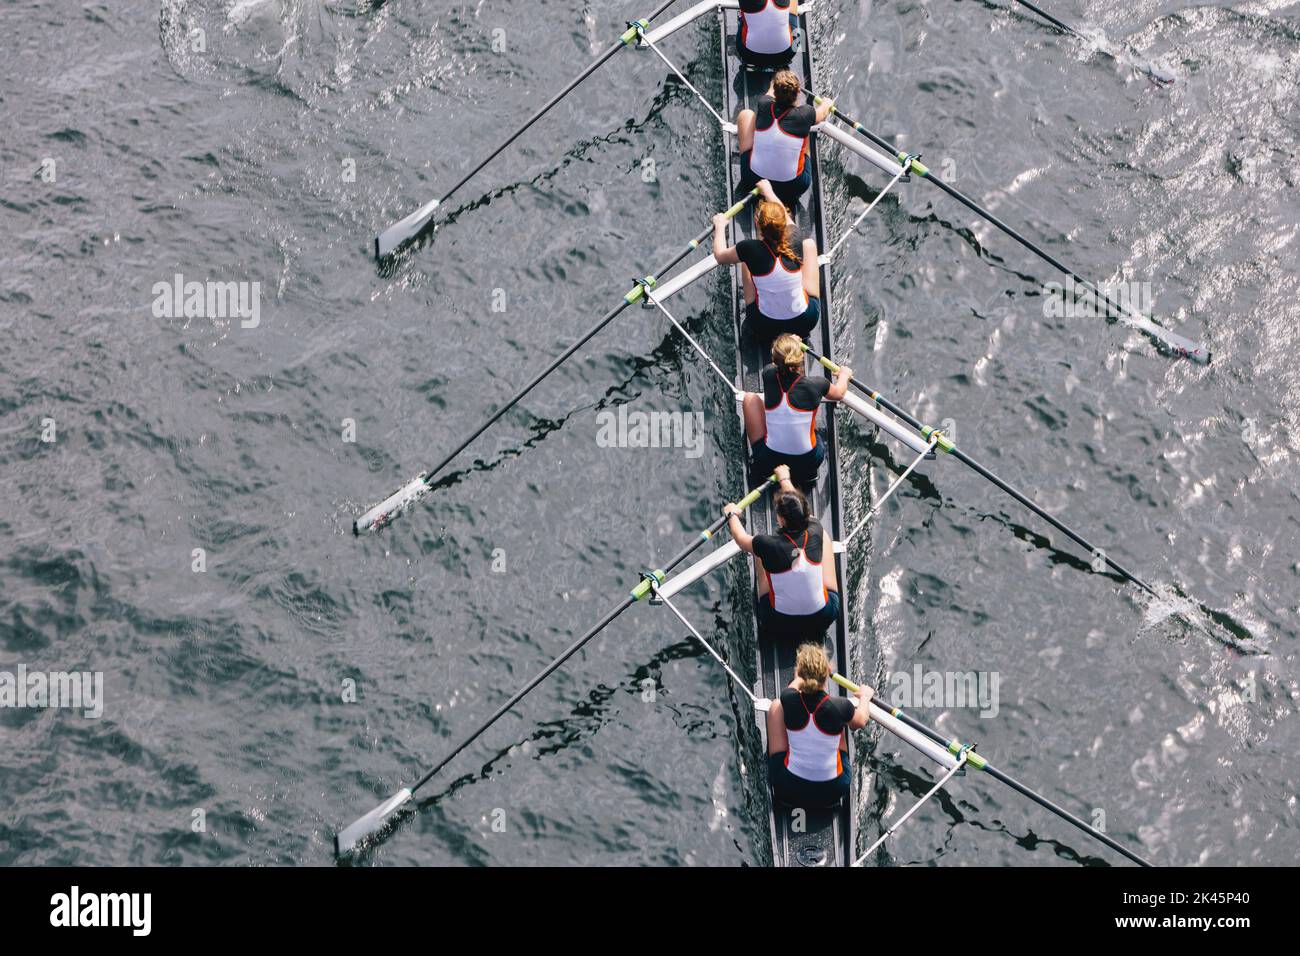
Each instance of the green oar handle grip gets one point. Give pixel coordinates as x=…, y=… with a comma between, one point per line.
x=844, y=682
x=735, y=210
x=827, y=363
x=757, y=493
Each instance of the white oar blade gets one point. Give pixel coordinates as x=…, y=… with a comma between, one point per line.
x=404, y=230
x=762, y=705
x=371, y=825
x=1177, y=344
x=383, y=513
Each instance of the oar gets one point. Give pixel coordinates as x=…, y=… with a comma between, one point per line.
x=947, y=445
x=979, y=763
x=403, y=231
x=1165, y=339
x=373, y=823
x=1160, y=76
x=381, y=514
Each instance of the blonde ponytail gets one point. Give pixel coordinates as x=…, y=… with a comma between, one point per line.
x=787, y=352
x=773, y=226
x=812, y=667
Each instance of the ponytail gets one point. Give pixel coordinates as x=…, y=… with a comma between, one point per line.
x=792, y=508
x=774, y=228
x=812, y=668
x=785, y=89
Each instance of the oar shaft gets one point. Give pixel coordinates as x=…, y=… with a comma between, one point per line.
x=1064, y=814
x=549, y=105
x=1051, y=519
x=634, y=295
x=523, y=692
x=577, y=645
x=402, y=232
x=1059, y=24
x=1165, y=338
x=379, y=515
x=979, y=762
x=627, y=39
x=951, y=448
x=623, y=41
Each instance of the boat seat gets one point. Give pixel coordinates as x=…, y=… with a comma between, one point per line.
x=787, y=806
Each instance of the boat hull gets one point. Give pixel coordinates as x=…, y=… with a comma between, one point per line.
x=808, y=836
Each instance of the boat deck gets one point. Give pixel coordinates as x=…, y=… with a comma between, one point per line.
x=825, y=836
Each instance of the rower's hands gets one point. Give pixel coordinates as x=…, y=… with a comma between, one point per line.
x=719, y=221
x=766, y=191
x=731, y=510
x=845, y=373
x=782, y=472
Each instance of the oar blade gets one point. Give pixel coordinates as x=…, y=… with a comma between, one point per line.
x=404, y=230
x=366, y=828
x=377, y=516
x=1181, y=345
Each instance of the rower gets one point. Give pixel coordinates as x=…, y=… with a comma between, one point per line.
x=782, y=283
x=768, y=31
x=781, y=422
x=807, y=735
x=798, y=595
x=774, y=138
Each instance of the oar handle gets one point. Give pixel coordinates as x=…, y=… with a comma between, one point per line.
x=735, y=210
x=827, y=363
x=844, y=682
x=754, y=495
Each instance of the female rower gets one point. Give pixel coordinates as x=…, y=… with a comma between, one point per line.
x=782, y=285
x=798, y=596
x=807, y=735
x=768, y=30
x=782, y=421
x=774, y=138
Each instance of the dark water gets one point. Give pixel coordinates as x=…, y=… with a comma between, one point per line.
x=224, y=689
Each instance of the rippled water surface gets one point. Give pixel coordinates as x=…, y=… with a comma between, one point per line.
x=267, y=140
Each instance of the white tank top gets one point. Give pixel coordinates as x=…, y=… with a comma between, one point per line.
x=768, y=30
x=780, y=292
x=799, y=590
x=813, y=754
x=790, y=430
x=777, y=155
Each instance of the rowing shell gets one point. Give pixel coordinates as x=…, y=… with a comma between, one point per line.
x=809, y=836
x=804, y=836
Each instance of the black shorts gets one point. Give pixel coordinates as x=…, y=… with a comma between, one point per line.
x=765, y=330
x=795, y=791
x=769, y=61
x=803, y=468
x=797, y=627
x=788, y=191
